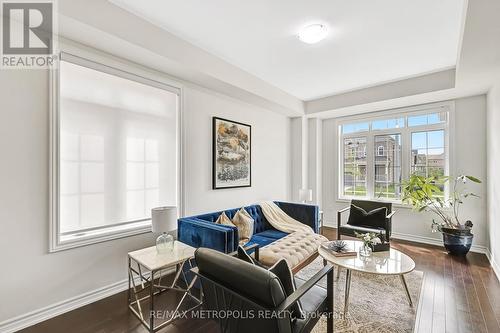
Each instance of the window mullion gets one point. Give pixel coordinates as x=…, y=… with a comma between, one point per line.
x=370, y=166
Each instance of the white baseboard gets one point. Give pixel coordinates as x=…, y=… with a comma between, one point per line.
x=494, y=264
x=433, y=241
x=422, y=239
x=56, y=309
x=34, y=317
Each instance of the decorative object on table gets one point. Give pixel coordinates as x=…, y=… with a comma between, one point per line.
x=339, y=248
x=427, y=194
x=366, y=216
x=369, y=239
x=164, y=220
x=383, y=246
x=232, y=146
x=375, y=303
x=305, y=195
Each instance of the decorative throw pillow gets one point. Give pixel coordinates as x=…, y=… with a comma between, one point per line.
x=244, y=222
x=283, y=272
x=223, y=219
x=243, y=255
x=374, y=218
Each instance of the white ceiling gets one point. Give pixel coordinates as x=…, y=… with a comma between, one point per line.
x=370, y=42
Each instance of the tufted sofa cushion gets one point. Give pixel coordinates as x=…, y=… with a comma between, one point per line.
x=294, y=248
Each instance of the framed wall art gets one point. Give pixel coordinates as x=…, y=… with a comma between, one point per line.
x=232, y=154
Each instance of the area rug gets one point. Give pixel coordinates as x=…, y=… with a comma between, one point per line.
x=377, y=303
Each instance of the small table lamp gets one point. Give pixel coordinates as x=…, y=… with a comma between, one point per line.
x=305, y=195
x=164, y=220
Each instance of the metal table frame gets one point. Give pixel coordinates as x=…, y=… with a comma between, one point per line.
x=148, y=282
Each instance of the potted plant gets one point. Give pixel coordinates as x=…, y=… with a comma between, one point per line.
x=425, y=194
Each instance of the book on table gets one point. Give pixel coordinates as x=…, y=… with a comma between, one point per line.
x=339, y=248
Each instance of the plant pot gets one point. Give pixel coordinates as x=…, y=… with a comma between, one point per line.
x=456, y=232
x=457, y=243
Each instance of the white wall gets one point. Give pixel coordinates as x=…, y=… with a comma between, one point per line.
x=470, y=158
x=270, y=152
x=493, y=152
x=28, y=268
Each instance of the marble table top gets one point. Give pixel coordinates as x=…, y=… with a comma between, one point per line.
x=391, y=262
x=152, y=260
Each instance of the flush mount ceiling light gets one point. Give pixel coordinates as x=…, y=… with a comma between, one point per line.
x=313, y=33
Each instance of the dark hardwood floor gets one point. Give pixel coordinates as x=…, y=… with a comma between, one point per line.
x=459, y=295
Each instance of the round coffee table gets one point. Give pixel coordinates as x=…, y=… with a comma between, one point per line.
x=391, y=262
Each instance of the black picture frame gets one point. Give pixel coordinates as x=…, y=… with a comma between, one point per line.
x=216, y=184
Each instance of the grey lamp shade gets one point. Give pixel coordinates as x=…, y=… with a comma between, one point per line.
x=305, y=195
x=164, y=219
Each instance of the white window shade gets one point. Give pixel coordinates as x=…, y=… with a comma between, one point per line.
x=118, y=151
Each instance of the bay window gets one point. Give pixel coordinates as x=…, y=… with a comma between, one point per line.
x=377, y=153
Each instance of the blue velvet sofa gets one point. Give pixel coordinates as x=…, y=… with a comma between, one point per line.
x=201, y=231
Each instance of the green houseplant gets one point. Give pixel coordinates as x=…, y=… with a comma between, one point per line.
x=426, y=194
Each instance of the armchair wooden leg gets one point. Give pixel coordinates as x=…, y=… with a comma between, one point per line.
x=329, y=291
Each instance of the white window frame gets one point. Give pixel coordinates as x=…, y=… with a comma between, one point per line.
x=379, y=148
x=119, y=68
x=448, y=127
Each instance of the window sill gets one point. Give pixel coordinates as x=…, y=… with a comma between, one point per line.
x=79, y=239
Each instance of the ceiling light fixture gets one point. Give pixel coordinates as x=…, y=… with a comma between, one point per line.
x=313, y=33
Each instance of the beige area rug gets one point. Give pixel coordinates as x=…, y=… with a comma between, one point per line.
x=377, y=304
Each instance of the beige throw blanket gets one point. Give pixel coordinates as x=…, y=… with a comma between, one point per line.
x=280, y=220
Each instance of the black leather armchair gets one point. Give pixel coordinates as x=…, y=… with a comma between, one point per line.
x=255, y=299
x=350, y=230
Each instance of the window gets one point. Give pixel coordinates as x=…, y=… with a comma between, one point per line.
x=388, y=166
x=379, y=153
x=116, y=140
x=355, y=167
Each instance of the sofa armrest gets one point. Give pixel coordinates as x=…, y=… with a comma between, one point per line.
x=201, y=233
x=307, y=214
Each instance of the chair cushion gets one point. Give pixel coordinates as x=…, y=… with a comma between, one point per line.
x=283, y=272
x=374, y=218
